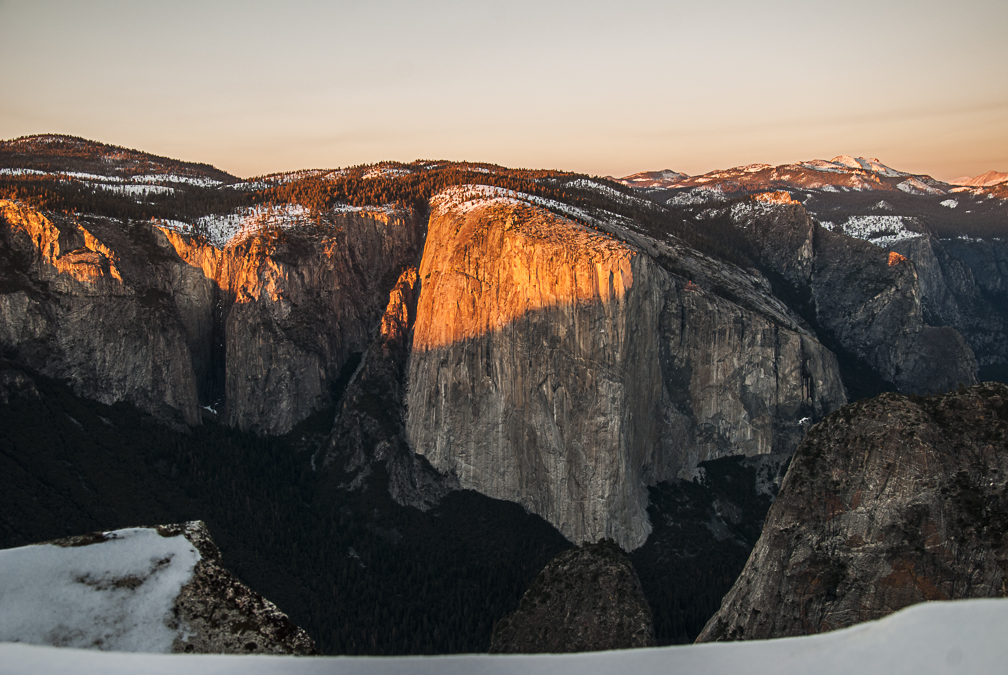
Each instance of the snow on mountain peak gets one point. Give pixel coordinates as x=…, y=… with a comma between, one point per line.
x=983, y=180
x=846, y=160
x=664, y=178
x=871, y=164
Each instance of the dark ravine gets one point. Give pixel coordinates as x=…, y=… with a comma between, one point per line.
x=586, y=599
x=887, y=502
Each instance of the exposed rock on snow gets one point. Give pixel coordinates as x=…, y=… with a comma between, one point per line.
x=143, y=589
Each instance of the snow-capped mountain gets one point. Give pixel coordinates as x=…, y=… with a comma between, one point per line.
x=986, y=179
x=663, y=179
x=842, y=173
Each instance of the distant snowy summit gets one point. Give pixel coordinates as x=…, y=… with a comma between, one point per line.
x=147, y=589
x=666, y=178
x=983, y=180
x=842, y=173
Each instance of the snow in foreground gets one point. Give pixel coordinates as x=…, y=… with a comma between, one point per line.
x=116, y=594
x=940, y=637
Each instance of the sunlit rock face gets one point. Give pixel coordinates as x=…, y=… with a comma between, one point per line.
x=257, y=329
x=78, y=302
x=565, y=369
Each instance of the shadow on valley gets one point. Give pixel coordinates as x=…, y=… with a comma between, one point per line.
x=362, y=574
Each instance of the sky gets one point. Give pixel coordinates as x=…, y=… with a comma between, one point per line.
x=597, y=87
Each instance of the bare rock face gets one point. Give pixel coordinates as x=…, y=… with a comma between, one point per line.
x=258, y=330
x=962, y=286
x=586, y=599
x=565, y=369
x=77, y=308
x=888, y=502
x=870, y=301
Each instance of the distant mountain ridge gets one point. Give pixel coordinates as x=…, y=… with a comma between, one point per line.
x=983, y=180
x=61, y=153
x=855, y=173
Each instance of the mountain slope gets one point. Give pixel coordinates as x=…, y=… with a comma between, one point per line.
x=888, y=502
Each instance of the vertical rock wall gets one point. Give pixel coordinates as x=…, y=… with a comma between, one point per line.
x=141, y=313
x=566, y=370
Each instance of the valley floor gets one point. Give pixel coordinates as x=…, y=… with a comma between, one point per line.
x=939, y=637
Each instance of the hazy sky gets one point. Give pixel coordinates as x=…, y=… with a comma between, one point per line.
x=599, y=87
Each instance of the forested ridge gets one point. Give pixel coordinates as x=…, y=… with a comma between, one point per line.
x=387, y=183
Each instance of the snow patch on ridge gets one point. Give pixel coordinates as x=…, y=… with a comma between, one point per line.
x=116, y=594
x=880, y=230
x=915, y=186
x=221, y=230
x=698, y=195
x=465, y=198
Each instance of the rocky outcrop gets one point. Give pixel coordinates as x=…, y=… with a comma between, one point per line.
x=79, y=305
x=565, y=369
x=963, y=287
x=887, y=502
x=297, y=304
x=221, y=615
x=586, y=599
x=257, y=331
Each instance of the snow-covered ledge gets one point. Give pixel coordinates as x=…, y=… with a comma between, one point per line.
x=159, y=589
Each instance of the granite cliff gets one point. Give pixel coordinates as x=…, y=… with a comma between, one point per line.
x=867, y=302
x=255, y=331
x=566, y=368
x=887, y=502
